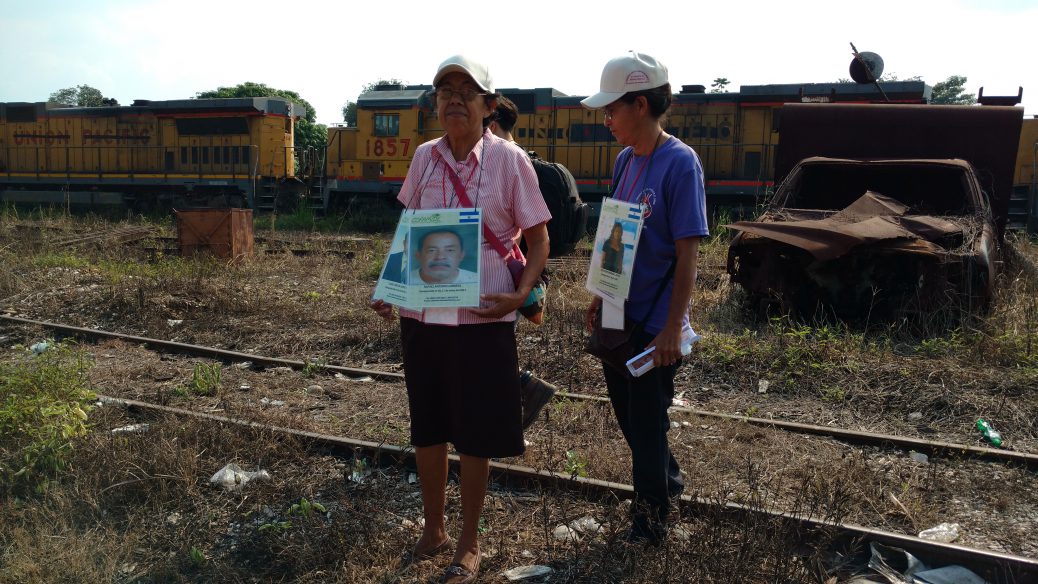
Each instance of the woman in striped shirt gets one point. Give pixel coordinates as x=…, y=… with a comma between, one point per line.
x=461, y=365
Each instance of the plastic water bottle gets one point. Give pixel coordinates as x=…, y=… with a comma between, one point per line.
x=642, y=362
x=989, y=432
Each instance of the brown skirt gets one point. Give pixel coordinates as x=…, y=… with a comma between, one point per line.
x=463, y=387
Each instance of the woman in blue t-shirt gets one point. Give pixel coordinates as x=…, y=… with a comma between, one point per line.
x=665, y=177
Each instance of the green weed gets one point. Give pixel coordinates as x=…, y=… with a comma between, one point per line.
x=44, y=400
x=205, y=379
x=60, y=260
x=197, y=557
x=314, y=367
x=305, y=508
x=576, y=464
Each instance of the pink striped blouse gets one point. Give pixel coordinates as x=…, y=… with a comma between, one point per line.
x=499, y=179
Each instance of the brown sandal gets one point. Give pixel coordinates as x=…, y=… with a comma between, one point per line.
x=459, y=574
x=434, y=551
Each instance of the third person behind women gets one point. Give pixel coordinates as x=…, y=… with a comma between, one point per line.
x=665, y=177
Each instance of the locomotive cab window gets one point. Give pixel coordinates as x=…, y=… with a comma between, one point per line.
x=387, y=124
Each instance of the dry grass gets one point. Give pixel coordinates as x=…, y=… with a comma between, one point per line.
x=133, y=507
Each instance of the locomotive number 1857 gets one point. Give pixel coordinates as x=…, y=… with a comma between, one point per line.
x=387, y=147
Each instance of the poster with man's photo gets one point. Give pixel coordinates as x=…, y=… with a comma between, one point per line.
x=612, y=258
x=434, y=260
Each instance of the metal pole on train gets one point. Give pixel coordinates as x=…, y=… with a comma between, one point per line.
x=868, y=72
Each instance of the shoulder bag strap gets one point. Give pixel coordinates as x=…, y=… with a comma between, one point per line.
x=464, y=198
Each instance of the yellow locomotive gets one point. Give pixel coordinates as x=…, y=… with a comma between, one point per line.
x=240, y=152
x=183, y=153
x=735, y=134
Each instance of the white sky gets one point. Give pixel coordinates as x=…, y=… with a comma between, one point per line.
x=326, y=51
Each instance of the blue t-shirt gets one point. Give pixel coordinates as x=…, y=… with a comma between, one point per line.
x=670, y=187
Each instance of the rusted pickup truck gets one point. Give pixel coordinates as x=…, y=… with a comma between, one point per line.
x=883, y=211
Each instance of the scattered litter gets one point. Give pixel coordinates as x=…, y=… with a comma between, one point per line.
x=565, y=533
x=914, y=570
x=244, y=365
x=233, y=478
x=919, y=457
x=40, y=347
x=674, y=425
x=527, y=554
x=527, y=443
x=365, y=379
x=685, y=424
x=360, y=470
x=524, y=572
x=989, y=432
x=132, y=428
x=172, y=322
x=271, y=402
x=585, y=525
x=244, y=387
x=680, y=533
x=679, y=402
x=173, y=518
x=915, y=416
x=945, y=532
x=340, y=376
x=762, y=386
x=412, y=478
x=127, y=568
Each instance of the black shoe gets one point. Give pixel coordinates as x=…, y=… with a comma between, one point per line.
x=535, y=393
x=646, y=537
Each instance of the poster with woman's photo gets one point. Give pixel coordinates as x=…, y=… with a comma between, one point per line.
x=433, y=261
x=612, y=259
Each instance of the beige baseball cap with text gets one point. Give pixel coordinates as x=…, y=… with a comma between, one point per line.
x=631, y=72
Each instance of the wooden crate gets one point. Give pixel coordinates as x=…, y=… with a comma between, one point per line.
x=225, y=233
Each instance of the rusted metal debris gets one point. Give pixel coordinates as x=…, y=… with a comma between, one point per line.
x=931, y=246
x=882, y=211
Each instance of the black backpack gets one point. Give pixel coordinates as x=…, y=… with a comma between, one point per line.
x=569, y=215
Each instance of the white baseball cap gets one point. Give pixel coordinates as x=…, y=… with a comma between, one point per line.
x=631, y=72
x=462, y=64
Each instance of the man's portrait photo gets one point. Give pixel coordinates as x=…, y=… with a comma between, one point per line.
x=444, y=255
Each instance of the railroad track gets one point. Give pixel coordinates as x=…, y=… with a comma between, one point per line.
x=928, y=447
x=117, y=235
x=995, y=567
x=171, y=246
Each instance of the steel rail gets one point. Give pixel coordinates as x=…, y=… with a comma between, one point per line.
x=119, y=235
x=929, y=447
x=994, y=566
x=199, y=350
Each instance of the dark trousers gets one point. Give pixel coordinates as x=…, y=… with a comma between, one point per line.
x=640, y=405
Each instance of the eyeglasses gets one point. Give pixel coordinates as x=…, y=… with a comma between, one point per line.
x=466, y=93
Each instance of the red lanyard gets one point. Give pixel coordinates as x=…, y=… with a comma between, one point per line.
x=623, y=175
x=443, y=181
x=630, y=189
